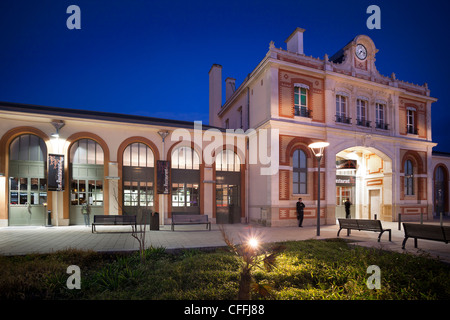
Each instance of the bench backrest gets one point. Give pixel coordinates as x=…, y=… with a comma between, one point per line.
x=348, y=223
x=424, y=231
x=363, y=224
x=113, y=219
x=189, y=218
x=367, y=224
x=104, y=219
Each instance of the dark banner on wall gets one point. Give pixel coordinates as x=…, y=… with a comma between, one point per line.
x=163, y=176
x=55, y=172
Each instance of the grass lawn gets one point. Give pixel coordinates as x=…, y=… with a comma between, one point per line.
x=312, y=269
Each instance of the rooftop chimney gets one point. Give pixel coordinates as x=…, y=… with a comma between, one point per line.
x=215, y=94
x=295, y=41
x=230, y=87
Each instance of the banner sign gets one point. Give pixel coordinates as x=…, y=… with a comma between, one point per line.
x=163, y=177
x=55, y=178
x=345, y=181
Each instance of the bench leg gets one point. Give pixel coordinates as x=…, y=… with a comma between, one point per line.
x=404, y=242
x=339, y=232
x=381, y=233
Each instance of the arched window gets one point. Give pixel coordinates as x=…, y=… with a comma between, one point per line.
x=138, y=155
x=185, y=158
x=86, y=151
x=300, y=170
x=138, y=177
x=409, y=178
x=227, y=160
x=28, y=147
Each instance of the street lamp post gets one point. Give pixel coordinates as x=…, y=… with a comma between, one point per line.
x=318, y=148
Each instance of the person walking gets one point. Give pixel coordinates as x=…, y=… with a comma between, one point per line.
x=300, y=206
x=347, y=208
x=85, y=211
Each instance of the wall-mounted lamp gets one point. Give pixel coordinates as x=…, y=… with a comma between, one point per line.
x=163, y=134
x=58, y=124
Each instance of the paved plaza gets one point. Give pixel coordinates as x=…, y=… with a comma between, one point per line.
x=25, y=240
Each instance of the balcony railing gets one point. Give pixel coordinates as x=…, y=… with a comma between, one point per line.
x=343, y=119
x=364, y=123
x=302, y=112
x=412, y=130
x=381, y=125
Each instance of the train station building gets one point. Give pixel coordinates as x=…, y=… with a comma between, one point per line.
x=251, y=163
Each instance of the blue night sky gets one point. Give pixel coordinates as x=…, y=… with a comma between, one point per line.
x=152, y=58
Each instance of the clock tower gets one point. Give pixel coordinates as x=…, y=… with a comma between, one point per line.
x=358, y=56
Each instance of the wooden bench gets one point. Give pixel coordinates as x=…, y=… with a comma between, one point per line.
x=180, y=219
x=362, y=225
x=425, y=232
x=113, y=220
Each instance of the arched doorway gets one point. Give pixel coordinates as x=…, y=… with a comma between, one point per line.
x=27, y=181
x=440, y=190
x=138, y=179
x=364, y=176
x=228, y=187
x=86, y=179
x=185, y=172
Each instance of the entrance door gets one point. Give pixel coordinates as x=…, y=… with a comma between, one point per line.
x=27, y=199
x=228, y=187
x=228, y=208
x=27, y=182
x=374, y=204
x=342, y=194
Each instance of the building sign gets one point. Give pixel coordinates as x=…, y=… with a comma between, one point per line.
x=55, y=172
x=345, y=181
x=163, y=176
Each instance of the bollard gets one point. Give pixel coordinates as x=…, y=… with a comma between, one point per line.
x=421, y=218
x=399, y=221
x=49, y=218
x=441, y=217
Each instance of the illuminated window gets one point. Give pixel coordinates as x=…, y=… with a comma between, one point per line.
x=228, y=160
x=185, y=158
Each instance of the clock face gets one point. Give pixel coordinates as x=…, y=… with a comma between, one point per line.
x=361, y=51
